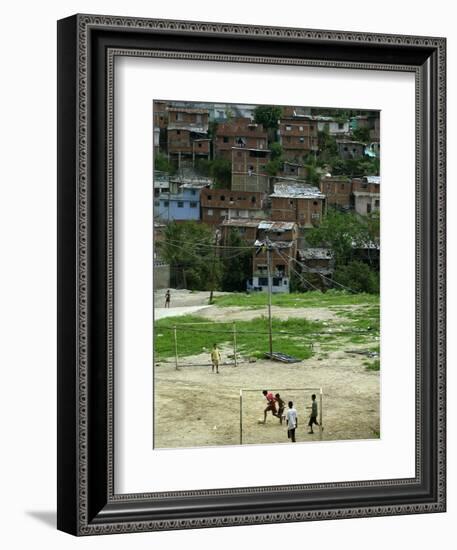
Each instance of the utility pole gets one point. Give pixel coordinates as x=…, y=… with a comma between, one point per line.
x=270, y=331
x=213, y=267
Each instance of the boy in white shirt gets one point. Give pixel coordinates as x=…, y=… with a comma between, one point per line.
x=292, y=421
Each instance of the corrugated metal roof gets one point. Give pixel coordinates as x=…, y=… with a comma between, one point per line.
x=196, y=127
x=240, y=222
x=315, y=254
x=188, y=110
x=251, y=149
x=276, y=225
x=275, y=244
x=293, y=191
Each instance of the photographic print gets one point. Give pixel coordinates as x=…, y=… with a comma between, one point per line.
x=266, y=274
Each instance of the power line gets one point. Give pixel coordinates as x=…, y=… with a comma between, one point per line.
x=301, y=264
x=199, y=257
x=207, y=245
x=296, y=272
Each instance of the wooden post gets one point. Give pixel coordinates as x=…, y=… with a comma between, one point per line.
x=213, y=268
x=320, y=413
x=241, y=417
x=176, y=346
x=234, y=343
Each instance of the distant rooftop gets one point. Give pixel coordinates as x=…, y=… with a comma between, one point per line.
x=276, y=244
x=276, y=226
x=349, y=141
x=251, y=149
x=188, y=110
x=291, y=180
x=315, y=254
x=367, y=245
x=191, y=180
x=240, y=222
x=196, y=127
x=373, y=179
x=294, y=191
x=196, y=185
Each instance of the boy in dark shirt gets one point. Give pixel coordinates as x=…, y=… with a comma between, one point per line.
x=314, y=412
x=281, y=407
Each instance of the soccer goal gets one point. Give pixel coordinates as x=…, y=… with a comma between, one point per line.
x=210, y=332
x=252, y=406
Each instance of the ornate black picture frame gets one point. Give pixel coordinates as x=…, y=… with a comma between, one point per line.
x=87, y=502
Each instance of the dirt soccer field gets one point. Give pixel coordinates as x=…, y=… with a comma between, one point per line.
x=194, y=407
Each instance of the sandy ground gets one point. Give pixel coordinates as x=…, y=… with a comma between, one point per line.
x=194, y=407
x=163, y=312
x=183, y=298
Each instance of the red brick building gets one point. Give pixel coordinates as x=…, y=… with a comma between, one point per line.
x=160, y=114
x=160, y=120
x=218, y=205
x=338, y=190
x=246, y=228
x=249, y=172
x=349, y=149
x=186, y=126
x=316, y=260
x=239, y=132
x=281, y=239
x=303, y=205
x=298, y=137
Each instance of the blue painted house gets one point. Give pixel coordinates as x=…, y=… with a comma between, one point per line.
x=181, y=206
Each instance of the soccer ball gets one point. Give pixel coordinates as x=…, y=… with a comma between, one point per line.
x=260, y=421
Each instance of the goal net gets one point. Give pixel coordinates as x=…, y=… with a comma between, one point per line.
x=253, y=429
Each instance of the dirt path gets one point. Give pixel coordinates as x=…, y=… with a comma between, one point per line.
x=164, y=312
x=234, y=313
x=185, y=302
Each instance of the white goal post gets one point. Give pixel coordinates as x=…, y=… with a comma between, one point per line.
x=246, y=390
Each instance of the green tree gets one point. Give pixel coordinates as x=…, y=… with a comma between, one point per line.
x=236, y=264
x=162, y=163
x=189, y=249
x=212, y=129
x=341, y=232
x=361, y=134
x=267, y=115
x=355, y=167
x=203, y=167
x=273, y=167
x=221, y=171
x=373, y=225
x=328, y=147
x=275, y=151
x=314, y=174
x=358, y=276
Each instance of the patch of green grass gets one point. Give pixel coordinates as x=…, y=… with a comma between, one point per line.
x=374, y=365
x=357, y=339
x=292, y=336
x=331, y=298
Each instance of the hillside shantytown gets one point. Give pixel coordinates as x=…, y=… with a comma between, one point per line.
x=249, y=196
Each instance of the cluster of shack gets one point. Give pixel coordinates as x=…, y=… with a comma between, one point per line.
x=278, y=208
